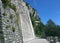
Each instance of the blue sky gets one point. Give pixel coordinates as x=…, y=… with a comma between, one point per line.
x=47, y=9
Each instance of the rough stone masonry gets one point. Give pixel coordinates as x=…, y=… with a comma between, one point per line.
x=15, y=22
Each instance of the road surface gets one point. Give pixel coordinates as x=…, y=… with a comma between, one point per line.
x=37, y=41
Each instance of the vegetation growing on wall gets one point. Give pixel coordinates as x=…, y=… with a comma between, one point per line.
x=11, y=16
x=6, y=3
x=7, y=26
x=12, y=6
x=4, y=14
x=27, y=5
x=13, y=29
x=1, y=32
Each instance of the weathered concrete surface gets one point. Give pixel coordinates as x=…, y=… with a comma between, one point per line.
x=26, y=25
x=37, y=41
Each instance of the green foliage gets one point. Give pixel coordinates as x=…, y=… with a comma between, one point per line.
x=1, y=32
x=4, y=14
x=8, y=20
x=34, y=11
x=50, y=23
x=13, y=29
x=12, y=6
x=27, y=5
x=11, y=16
x=38, y=26
x=58, y=31
x=41, y=30
x=6, y=3
x=2, y=38
x=16, y=19
x=51, y=29
x=0, y=21
x=7, y=26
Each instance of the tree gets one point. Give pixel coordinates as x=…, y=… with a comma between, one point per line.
x=58, y=31
x=37, y=24
x=50, y=28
